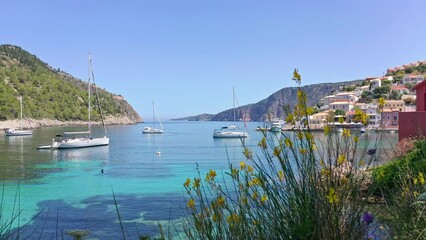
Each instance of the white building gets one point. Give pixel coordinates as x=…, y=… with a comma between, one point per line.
x=342, y=105
x=413, y=79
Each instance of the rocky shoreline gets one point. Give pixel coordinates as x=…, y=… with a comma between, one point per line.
x=39, y=123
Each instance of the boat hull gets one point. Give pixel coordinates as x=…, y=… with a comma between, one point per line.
x=229, y=134
x=80, y=143
x=13, y=132
x=149, y=130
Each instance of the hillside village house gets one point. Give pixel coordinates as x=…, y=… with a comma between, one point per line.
x=342, y=105
x=390, y=118
x=371, y=110
x=318, y=120
x=413, y=79
x=400, y=89
x=359, y=90
x=394, y=104
x=375, y=83
x=347, y=96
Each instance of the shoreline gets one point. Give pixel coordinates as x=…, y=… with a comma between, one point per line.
x=40, y=123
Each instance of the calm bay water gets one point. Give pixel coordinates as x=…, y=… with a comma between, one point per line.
x=68, y=191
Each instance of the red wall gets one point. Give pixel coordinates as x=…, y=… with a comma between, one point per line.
x=421, y=96
x=412, y=123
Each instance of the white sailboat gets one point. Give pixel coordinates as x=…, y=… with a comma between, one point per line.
x=81, y=139
x=230, y=131
x=20, y=132
x=153, y=130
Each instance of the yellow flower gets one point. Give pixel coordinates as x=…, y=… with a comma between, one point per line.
x=281, y=175
x=277, y=151
x=262, y=143
x=249, y=169
x=303, y=151
x=309, y=136
x=346, y=133
x=314, y=147
x=242, y=165
x=299, y=135
x=244, y=200
x=325, y=172
x=341, y=159
x=248, y=153
x=421, y=178
x=361, y=163
x=322, y=163
x=187, y=182
x=191, y=203
x=356, y=139
x=296, y=76
x=221, y=201
x=381, y=103
x=288, y=142
x=235, y=172
x=332, y=197
x=211, y=175
x=196, y=183
x=327, y=130
x=216, y=217
x=415, y=180
x=264, y=198
x=415, y=193
x=233, y=218
x=255, y=196
x=254, y=182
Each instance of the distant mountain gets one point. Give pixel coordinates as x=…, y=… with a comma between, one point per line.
x=273, y=106
x=50, y=93
x=201, y=117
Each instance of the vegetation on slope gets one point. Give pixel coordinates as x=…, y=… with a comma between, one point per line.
x=49, y=93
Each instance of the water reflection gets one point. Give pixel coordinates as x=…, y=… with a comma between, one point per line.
x=81, y=154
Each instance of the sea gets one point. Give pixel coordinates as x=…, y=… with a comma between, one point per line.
x=130, y=186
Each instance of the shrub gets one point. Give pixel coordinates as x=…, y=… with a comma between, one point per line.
x=300, y=188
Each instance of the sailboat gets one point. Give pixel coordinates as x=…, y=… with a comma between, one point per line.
x=230, y=131
x=153, y=130
x=20, y=132
x=81, y=139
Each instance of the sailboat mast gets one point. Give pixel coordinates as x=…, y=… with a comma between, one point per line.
x=233, y=101
x=20, y=102
x=153, y=113
x=89, y=71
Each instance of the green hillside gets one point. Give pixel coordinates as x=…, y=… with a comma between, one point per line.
x=49, y=93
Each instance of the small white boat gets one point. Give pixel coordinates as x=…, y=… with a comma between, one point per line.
x=20, y=132
x=150, y=130
x=230, y=131
x=78, y=140
x=14, y=132
x=275, y=127
x=153, y=130
x=362, y=130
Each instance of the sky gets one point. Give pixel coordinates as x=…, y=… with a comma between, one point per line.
x=187, y=55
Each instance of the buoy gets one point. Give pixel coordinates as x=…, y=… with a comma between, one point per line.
x=158, y=153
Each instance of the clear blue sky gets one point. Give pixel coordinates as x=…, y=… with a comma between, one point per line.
x=187, y=54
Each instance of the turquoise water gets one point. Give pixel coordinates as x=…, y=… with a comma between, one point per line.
x=67, y=189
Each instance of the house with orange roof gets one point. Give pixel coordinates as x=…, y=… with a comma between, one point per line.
x=412, y=78
x=400, y=89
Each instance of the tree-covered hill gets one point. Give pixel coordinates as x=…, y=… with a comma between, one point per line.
x=49, y=93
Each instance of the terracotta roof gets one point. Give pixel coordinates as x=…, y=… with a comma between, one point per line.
x=399, y=88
